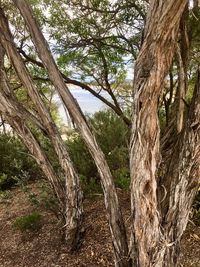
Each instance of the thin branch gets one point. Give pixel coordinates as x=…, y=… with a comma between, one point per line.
x=79, y=84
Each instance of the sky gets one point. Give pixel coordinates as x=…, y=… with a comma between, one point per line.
x=88, y=103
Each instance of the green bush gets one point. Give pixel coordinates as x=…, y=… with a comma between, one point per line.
x=122, y=178
x=17, y=167
x=15, y=162
x=44, y=198
x=31, y=222
x=112, y=136
x=81, y=157
x=3, y=179
x=90, y=186
x=110, y=130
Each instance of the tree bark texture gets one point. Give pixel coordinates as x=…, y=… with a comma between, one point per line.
x=16, y=117
x=155, y=232
x=73, y=196
x=152, y=65
x=117, y=228
x=181, y=92
x=182, y=62
x=183, y=176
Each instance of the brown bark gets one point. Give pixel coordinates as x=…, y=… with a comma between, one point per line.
x=182, y=62
x=181, y=92
x=183, y=180
x=73, y=196
x=116, y=223
x=16, y=117
x=152, y=65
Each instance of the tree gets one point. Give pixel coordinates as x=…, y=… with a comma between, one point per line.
x=114, y=213
x=157, y=220
x=71, y=203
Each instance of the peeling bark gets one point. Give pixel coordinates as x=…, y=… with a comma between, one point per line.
x=15, y=116
x=182, y=58
x=117, y=228
x=181, y=92
x=152, y=65
x=73, y=196
x=183, y=176
x=156, y=227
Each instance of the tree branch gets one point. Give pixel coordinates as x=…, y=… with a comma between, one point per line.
x=84, y=86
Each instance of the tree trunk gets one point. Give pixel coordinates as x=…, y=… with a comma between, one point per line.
x=117, y=228
x=17, y=121
x=183, y=176
x=152, y=65
x=74, y=210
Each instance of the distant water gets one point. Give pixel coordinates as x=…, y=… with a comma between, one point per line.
x=88, y=103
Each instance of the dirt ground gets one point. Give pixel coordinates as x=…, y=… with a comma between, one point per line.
x=45, y=248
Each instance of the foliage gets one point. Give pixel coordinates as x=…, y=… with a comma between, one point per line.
x=81, y=157
x=30, y=222
x=15, y=164
x=122, y=178
x=44, y=198
x=114, y=144
x=90, y=186
x=5, y=196
x=95, y=49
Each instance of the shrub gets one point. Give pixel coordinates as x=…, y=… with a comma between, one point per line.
x=81, y=157
x=44, y=199
x=122, y=178
x=114, y=144
x=90, y=186
x=15, y=162
x=31, y=222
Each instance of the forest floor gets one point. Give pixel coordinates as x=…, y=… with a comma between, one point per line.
x=45, y=247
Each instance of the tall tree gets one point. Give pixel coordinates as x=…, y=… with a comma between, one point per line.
x=116, y=223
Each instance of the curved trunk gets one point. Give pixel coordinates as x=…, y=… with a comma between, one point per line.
x=16, y=118
x=116, y=223
x=73, y=196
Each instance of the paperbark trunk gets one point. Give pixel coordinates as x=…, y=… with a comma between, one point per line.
x=117, y=228
x=73, y=196
x=152, y=65
x=183, y=177
x=16, y=118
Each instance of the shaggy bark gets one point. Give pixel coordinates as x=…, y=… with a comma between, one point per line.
x=73, y=196
x=117, y=228
x=182, y=176
x=182, y=58
x=16, y=117
x=152, y=65
x=181, y=92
